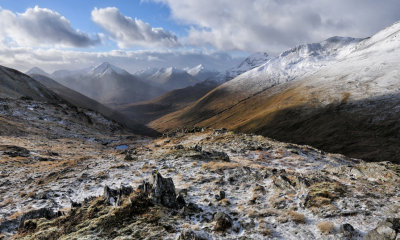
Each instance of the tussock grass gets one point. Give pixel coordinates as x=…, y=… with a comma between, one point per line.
x=214, y=165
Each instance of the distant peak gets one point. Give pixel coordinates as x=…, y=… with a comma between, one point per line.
x=108, y=68
x=37, y=70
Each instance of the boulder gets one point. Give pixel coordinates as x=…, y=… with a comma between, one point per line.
x=386, y=230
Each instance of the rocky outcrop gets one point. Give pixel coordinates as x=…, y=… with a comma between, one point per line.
x=163, y=191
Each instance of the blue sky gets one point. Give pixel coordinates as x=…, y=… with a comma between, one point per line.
x=78, y=13
x=137, y=34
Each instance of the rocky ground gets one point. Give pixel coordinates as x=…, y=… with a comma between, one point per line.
x=202, y=184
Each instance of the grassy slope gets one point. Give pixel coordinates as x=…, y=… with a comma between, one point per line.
x=172, y=101
x=293, y=113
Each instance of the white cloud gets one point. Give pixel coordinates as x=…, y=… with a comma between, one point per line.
x=275, y=25
x=41, y=27
x=23, y=58
x=130, y=32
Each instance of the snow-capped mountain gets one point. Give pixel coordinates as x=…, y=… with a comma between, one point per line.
x=167, y=78
x=106, y=68
x=294, y=63
x=201, y=73
x=249, y=63
x=340, y=95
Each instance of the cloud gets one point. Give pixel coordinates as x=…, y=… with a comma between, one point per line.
x=275, y=25
x=130, y=32
x=41, y=27
x=24, y=58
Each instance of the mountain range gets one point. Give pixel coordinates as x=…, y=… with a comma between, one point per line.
x=340, y=95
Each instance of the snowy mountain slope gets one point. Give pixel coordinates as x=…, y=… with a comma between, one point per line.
x=341, y=95
x=249, y=63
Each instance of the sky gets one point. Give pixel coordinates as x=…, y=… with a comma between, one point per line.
x=140, y=34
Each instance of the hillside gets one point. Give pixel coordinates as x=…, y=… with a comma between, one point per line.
x=145, y=112
x=82, y=101
x=339, y=95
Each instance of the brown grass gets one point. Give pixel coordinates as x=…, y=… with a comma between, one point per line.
x=213, y=165
x=296, y=217
x=326, y=227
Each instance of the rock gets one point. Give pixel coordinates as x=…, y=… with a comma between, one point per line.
x=191, y=235
x=194, y=208
x=14, y=151
x=220, y=196
x=181, y=201
x=114, y=196
x=215, y=155
x=36, y=214
x=347, y=230
x=178, y=147
x=111, y=195
x=163, y=191
x=386, y=230
x=223, y=221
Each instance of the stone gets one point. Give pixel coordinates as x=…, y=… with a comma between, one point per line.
x=221, y=195
x=191, y=235
x=163, y=191
x=222, y=221
x=347, y=230
x=181, y=201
